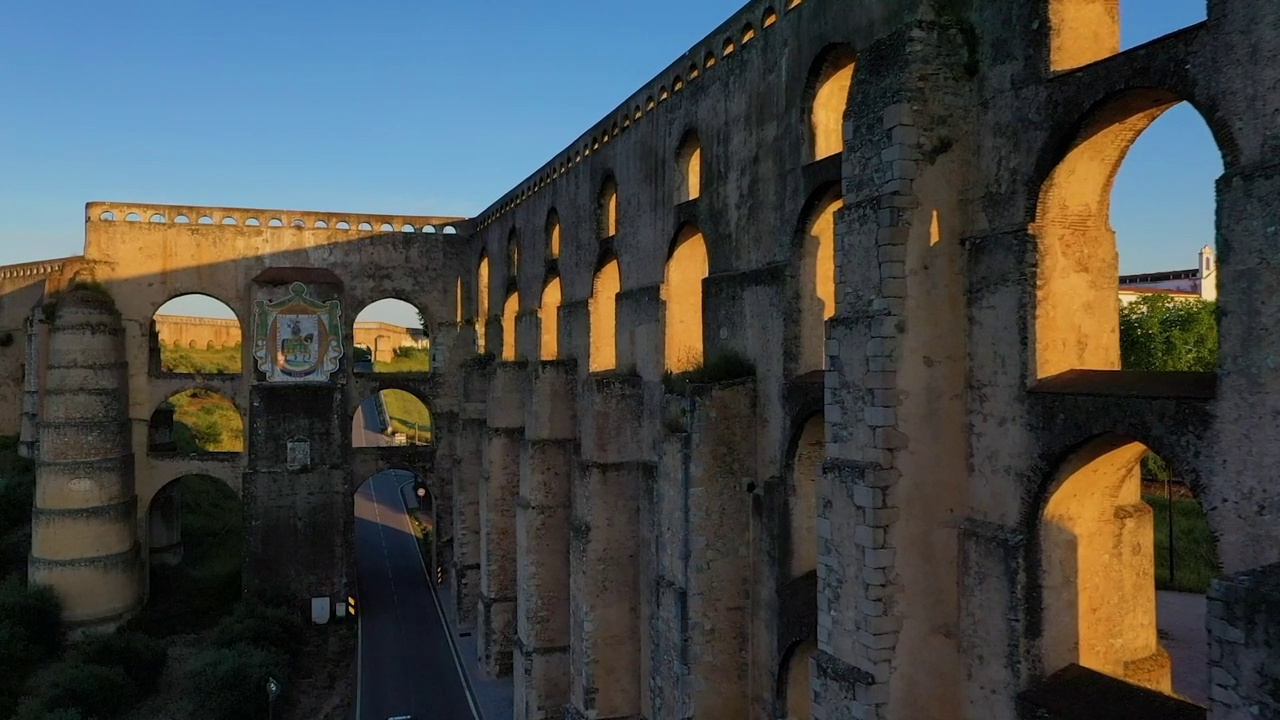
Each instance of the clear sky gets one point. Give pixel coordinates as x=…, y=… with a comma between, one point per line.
x=390, y=106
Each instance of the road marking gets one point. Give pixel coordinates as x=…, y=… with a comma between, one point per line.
x=444, y=623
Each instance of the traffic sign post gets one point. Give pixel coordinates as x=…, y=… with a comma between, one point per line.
x=273, y=692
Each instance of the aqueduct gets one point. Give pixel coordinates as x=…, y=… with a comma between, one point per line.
x=900, y=480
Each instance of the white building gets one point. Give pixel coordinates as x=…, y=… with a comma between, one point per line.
x=1200, y=282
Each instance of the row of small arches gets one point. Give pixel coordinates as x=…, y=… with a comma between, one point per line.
x=730, y=45
x=277, y=222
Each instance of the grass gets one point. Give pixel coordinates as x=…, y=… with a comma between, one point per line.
x=201, y=362
x=406, y=360
x=408, y=414
x=205, y=421
x=1195, y=553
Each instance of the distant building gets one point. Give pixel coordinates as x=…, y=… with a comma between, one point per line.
x=1199, y=282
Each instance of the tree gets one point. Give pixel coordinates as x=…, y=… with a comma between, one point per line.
x=1161, y=333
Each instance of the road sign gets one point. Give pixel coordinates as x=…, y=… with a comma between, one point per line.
x=273, y=689
x=422, y=492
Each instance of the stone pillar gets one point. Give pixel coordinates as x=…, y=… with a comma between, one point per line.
x=473, y=447
x=84, y=524
x=700, y=630
x=499, y=487
x=444, y=433
x=604, y=557
x=28, y=439
x=164, y=526
x=1244, y=645
x=542, y=543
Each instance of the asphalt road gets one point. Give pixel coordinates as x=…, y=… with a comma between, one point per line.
x=407, y=664
x=366, y=428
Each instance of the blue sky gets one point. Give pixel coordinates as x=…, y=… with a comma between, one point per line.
x=400, y=107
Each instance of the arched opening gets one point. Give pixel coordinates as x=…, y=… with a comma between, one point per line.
x=510, y=309
x=1105, y=554
x=390, y=336
x=553, y=235
x=831, y=81
x=196, y=544
x=482, y=298
x=797, y=702
x=457, y=299
x=196, y=335
x=689, y=159
x=1163, y=237
x=817, y=278
x=513, y=254
x=687, y=268
x=549, y=320
x=391, y=418
x=604, y=317
x=802, y=497
x=607, y=213
x=196, y=421
x=396, y=522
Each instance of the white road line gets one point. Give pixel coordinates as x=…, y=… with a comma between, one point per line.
x=444, y=623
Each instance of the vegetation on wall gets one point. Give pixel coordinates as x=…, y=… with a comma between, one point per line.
x=718, y=368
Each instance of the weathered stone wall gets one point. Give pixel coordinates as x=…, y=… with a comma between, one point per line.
x=499, y=491
x=542, y=537
x=1244, y=645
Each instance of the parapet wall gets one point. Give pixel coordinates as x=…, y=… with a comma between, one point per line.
x=282, y=219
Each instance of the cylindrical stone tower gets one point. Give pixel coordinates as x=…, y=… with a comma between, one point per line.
x=84, y=527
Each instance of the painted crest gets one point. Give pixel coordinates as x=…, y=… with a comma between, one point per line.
x=297, y=338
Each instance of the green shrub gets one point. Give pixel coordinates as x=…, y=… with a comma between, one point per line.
x=275, y=630
x=34, y=615
x=142, y=658
x=230, y=683
x=96, y=691
x=37, y=710
x=721, y=367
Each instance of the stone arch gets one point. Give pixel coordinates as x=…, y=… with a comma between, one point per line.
x=827, y=97
x=553, y=234
x=196, y=333
x=794, y=701
x=197, y=420
x=390, y=416
x=513, y=255
x=549, y=319
x=1076, y=306
x=1091, y=580
x=805, y=457
x=165, y=539
x=607, y=209
x=482, y=301
x=459, y=312
x=603, y=311
x=397, y=331
x=510, y=310
x=689, y=164
x=686, y=270
x=815, y=253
